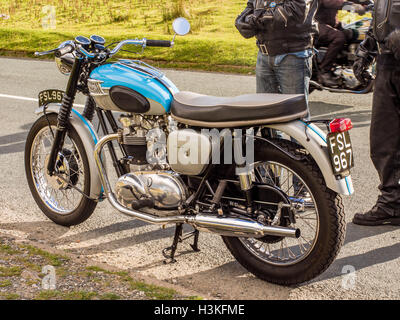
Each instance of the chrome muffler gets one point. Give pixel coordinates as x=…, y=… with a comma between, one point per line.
x=228, y=226
x=239, y=227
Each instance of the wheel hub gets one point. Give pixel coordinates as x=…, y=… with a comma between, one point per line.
x=66, y=171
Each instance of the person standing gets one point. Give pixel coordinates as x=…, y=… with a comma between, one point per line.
x=332, y=35
x=383, y=43
x=285, y=31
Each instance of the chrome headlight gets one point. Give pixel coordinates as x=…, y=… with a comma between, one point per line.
x=65, y=63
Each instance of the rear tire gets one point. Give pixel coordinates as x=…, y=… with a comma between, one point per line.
x=331, y=224
x=48, y=198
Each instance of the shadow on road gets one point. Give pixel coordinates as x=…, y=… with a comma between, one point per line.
x=12, y=143
x=362, y=260
x=322, y=110
x=234, y=282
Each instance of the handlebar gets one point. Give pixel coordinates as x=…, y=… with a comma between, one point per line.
x=70, y=46
x=64, y=50
x=159, y=43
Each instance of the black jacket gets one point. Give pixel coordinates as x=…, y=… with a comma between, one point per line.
x=327, y=11
x=370, y=47
x=289, y=27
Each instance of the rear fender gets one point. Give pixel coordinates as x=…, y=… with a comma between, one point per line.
x=89, y=139
x=313, y=140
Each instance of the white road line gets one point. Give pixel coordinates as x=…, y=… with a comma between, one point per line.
x=7, y=96
x=17, y=97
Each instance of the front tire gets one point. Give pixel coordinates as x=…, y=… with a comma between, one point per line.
x=58, y=198
x=330, y=226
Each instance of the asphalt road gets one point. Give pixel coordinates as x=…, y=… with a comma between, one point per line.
x=373, y=252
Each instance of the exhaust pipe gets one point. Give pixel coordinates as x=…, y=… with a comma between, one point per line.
x=239, y=227
x=228, y=226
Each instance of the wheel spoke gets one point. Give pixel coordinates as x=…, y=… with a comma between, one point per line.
x=59, y=198
x=286, y=251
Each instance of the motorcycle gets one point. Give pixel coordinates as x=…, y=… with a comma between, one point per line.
x=343, y=67
x=179, y=160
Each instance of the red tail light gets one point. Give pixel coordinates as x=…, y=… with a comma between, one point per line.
x=340, y=125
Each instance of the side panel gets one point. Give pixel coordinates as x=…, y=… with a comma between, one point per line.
x=314, y=140
x=89, y=138
x=155, y=91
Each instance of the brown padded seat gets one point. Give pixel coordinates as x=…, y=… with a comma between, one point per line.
x=244, y=110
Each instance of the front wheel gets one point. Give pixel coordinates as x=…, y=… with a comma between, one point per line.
x=318, y=213
x=61, y=197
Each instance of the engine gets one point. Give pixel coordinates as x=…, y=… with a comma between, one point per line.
x=348, y=77
x=150, y=182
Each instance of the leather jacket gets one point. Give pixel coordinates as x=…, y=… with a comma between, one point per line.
x=370, y=47
x=327, y=11
x=287, y=25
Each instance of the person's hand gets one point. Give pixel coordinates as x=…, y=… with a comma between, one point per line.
x=245, y=24
x=393, y=43
x=359, y=9
x=360, y=67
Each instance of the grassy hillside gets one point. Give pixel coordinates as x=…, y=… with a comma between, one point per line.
x=213, y=44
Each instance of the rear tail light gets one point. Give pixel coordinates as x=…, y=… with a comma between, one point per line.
x=340, y=125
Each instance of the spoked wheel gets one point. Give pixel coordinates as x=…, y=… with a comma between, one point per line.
x=61, y=196
x=309, y=205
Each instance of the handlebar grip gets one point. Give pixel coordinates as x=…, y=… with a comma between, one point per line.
x=64, y=50
x=158, y=43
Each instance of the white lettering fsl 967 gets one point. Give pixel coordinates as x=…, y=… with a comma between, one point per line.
x=340, y=151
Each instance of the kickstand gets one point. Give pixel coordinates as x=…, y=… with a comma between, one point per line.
x=170, y=258
x=195, y=245
x=179, y=237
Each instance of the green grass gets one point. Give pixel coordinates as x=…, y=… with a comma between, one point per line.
x=10, y=271
x=5, y=283
x=51, y=258
x=73, y=295
x=213, y=44
x=7, y=249
x=9, y=296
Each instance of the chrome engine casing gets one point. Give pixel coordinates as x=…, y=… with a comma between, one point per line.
x=348, y=77
x=159, y=189
x=189, y=151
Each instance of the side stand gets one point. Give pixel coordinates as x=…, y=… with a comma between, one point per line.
x=169, y=253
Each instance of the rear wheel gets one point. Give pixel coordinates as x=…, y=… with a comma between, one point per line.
x=317, y=211
x=60, y=196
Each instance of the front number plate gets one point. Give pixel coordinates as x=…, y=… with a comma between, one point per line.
x=50, y=96
x=340, y=151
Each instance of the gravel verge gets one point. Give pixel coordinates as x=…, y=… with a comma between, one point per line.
x=30, y=271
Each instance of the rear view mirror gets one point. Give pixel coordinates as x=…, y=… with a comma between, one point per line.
x=181, y=26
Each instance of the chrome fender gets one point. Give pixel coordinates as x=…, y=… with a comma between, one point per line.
x=89, y=139
x=313, y=140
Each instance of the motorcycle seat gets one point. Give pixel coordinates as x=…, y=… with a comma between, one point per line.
x=245, y=110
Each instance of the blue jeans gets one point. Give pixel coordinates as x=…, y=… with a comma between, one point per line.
x=288, y=74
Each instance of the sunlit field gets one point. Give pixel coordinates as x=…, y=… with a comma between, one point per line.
x=213, y=43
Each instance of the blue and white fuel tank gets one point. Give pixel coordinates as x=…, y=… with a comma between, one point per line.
x=131, y=86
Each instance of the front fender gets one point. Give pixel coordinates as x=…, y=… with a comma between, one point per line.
x=89, y=139
x=313, y=140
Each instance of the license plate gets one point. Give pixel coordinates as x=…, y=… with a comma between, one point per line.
x=340, y=151
x=50, y=96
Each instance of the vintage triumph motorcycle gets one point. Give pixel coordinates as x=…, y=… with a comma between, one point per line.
x=281, y=216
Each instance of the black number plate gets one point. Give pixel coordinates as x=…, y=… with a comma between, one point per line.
x=50, y=96
x=340, y=151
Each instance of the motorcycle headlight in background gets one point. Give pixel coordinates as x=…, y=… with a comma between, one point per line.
x=65, y=63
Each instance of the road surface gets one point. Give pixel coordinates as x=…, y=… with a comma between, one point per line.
x=371, y=252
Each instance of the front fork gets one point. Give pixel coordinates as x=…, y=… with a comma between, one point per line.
x=64, y=114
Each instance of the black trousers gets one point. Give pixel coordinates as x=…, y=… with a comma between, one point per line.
x=334, y=39
x=385, y=132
